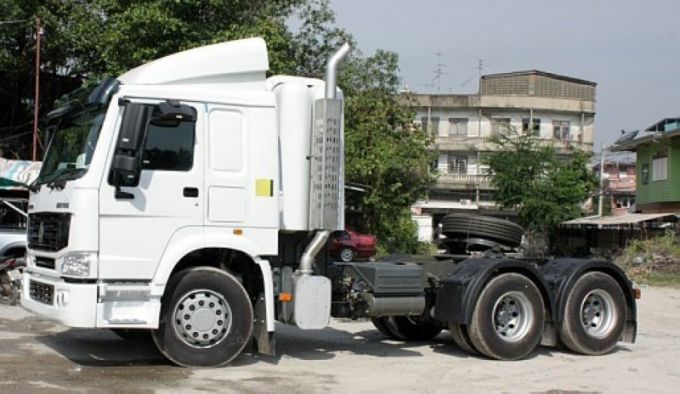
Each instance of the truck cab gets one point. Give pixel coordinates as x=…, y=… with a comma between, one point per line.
x=196, y=159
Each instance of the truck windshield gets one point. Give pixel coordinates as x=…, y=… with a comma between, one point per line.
x=75, y=128
x=73, y=141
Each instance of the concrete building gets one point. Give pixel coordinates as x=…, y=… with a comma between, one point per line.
x=558, y=110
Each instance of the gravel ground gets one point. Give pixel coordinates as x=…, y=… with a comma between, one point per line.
x=39, y=356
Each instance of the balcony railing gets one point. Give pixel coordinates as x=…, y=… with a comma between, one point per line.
x=463, y=179
x=460, y=143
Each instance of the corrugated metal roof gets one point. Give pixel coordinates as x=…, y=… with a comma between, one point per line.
x=618, y=220
x=539, y=72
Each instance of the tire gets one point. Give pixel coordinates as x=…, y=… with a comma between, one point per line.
x=379, y=323
x=412, y=329
x=508, y=319
x=346, y=255
x=461, y=338
x=206, y=318
x=463, y=225
x=598, y=301
x=133, y=335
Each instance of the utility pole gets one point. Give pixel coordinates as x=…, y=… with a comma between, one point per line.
x=601, y=199
x=36, y=100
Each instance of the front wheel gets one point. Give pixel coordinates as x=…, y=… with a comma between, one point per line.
x=507, y=322
x=206, y=318
x=594, y=315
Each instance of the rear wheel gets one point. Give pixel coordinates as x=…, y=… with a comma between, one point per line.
x=461, y=338
x=380, y=324
x=206, y=318
x=412, y=328
x=507, y=322
x=594, y=315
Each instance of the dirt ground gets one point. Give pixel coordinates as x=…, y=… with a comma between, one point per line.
x=39, y=356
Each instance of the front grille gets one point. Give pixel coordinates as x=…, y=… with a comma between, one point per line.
x=48, y=231
x=41, y=292
x=44, y=262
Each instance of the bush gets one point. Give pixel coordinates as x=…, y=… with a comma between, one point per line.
x=655, y=260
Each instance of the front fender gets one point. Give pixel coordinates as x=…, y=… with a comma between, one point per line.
x=190, y=239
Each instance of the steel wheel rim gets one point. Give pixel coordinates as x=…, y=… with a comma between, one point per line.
x=512, y=316
x=598, y=314
x=346, y=255
x=202, y=318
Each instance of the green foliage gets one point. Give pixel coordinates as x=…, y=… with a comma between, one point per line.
x=91, y=39
x=384, y=151
x=544, y=188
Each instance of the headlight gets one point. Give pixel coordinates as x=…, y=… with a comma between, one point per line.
x=76, y=264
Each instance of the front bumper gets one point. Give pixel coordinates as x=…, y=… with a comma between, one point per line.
x=72, y=304
x=92, y=305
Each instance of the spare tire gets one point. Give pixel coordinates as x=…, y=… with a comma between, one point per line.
x=465, y=225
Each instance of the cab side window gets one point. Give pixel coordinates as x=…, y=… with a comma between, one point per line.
x=169, y=146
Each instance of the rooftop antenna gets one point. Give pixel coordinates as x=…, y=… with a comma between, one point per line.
x=480, y=67
x=438, y=72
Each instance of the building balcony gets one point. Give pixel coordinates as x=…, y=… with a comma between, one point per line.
x=465, y=143
x=463, y=181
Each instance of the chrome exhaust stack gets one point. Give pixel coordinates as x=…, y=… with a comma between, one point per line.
x=332, y=70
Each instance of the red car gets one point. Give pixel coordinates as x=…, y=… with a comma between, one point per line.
x=349, y=245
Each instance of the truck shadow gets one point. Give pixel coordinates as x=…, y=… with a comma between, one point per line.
x=103, y=348
x=325, y=344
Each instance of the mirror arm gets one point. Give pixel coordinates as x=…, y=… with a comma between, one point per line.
x=121, y=195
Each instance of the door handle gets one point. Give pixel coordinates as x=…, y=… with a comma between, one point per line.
x=190, y=192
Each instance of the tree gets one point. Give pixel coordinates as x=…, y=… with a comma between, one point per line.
x=384, y=151
x=543, y=188
x=86, y=40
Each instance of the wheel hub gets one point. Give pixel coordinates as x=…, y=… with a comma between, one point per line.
x=202, y=318
x=512, y=316
x=598, y=313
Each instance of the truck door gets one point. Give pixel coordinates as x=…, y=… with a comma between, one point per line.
x=134, y=232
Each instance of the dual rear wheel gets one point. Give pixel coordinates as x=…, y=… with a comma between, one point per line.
x=508, y=319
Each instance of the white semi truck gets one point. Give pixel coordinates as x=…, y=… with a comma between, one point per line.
x=191, y=197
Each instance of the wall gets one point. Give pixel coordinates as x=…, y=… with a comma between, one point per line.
x=657, y=191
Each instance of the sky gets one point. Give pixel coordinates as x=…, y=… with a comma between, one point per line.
x=631, y=49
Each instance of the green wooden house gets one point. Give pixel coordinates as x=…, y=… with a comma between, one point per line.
x=657, y=166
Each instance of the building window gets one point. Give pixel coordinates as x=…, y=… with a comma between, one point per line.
x=500, y=125
x=533, y=126
x=561, y=130
x=458, y=126
x=457, y=164
x=423, y=123
x=435, y=125
x=644, y=174
x=660, y=165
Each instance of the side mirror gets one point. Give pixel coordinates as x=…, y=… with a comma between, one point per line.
x=126, y=166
